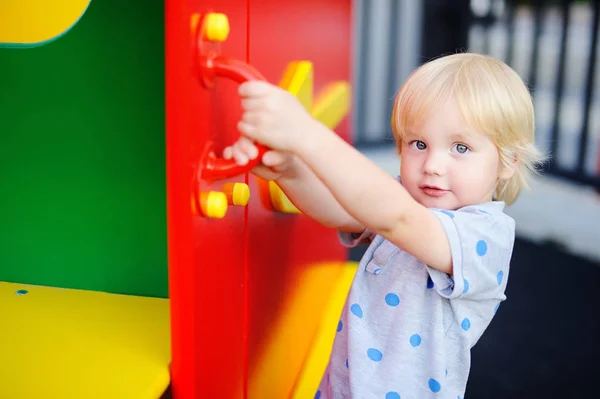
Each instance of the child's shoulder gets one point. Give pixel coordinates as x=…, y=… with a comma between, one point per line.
x=487, y=212
x=479, y=225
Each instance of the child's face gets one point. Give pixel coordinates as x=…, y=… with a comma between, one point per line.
x=446, y=165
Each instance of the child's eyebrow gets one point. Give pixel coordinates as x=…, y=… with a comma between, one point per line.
x=462, y=136
x=412, y=136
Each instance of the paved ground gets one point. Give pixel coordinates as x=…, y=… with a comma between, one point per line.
x=544, y=341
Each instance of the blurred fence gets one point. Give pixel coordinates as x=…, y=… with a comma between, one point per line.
x=553, y=45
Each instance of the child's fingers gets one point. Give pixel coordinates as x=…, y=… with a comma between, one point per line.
x=239, y=155
x=278, y=160
x=253, y=104
x=246, y=128
x=265, y=172
x=273, y=158
x=252, y=117
x=254, y=88
x=247, y=146
x=228, y=153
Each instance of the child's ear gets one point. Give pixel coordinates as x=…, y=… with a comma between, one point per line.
x=508, y=171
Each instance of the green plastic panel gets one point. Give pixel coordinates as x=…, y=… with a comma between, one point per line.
x=82, y=141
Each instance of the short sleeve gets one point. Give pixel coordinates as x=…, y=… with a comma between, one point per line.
x=351, y=240
x=481, y=242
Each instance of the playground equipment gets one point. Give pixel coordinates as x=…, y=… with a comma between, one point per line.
x=255, y=287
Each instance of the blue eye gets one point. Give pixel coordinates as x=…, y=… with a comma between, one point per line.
x=418, y=144
x=461, y=148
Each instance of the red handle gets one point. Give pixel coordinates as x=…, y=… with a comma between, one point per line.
x=215, y=167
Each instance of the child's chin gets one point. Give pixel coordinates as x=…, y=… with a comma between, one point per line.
x=438, y=203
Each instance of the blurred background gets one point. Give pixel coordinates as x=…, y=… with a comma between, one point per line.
x=545, y=339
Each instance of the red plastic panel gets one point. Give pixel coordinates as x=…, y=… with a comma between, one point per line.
x=283, y=246
x=206, y=256
x=230, y=278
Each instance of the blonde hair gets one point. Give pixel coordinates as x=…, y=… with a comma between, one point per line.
x=493, y=100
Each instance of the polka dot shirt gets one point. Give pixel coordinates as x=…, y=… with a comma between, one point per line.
x=406, y=329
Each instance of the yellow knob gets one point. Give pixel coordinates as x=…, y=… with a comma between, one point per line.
x=213, y=204
x=279, y=200
x=237, y=193
x=216, y=27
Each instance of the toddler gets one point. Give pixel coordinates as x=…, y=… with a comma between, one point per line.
x=438, y=262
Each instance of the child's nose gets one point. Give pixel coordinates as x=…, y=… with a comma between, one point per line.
x=434, y=164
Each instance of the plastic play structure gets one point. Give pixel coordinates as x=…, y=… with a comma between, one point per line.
x=255, y=288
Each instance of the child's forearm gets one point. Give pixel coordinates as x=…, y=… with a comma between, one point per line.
x=366, y=192
x=308, y=193
x=375, y=199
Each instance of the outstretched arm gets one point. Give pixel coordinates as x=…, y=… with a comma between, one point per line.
x=306, y=191
x=309, y=194
x=375, y=198
x=368, y=194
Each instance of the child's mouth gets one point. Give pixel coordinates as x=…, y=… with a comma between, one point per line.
x=434, y=191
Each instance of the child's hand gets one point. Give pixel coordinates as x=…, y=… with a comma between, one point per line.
x=275, y=164
x=272, y=116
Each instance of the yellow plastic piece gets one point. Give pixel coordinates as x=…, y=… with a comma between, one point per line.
x=213, y=204
x=28, y=22
x=300, y=340
x=333, y=104
x=318, y=355
x=194, y=21
x=216, y=27
x=237, y=193
x=73, y=344
x=279, y=200
x=298, y=80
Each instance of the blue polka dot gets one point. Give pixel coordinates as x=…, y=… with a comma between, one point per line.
x=448, y=213
x=392, y=395
x=346, y=363
x=466, y=324
x=318, y=395
x=356, y=310
x=429, y=282
x=466, y=286
x=482, y=211
x=446, y=372
x=377, y=271
x=340, y=325
x=374, y=354
x=500, y=276
x=415, y=340
x=481, y=247
x=434, y=385
x=392, y=299
x=21, y=292
x=496, y=308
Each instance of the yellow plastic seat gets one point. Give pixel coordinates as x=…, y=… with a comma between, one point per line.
x=65, y=343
